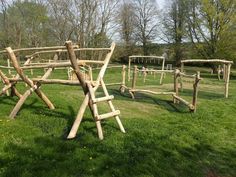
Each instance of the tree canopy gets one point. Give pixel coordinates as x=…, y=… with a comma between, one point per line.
x=206, y=27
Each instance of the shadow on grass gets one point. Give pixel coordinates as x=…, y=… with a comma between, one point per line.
x=8, y=100
x=139, y=155
x=203, y=94
x=151, y=99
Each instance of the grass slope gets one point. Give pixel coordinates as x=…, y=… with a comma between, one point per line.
x=162, y=139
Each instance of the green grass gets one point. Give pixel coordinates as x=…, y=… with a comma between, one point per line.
x=162, y=139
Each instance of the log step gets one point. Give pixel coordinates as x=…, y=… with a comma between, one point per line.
x=106, y=98
x=107, y=115
x=191, y=107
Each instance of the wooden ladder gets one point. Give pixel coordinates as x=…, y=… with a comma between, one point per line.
x=89, y=89
x=107, y=98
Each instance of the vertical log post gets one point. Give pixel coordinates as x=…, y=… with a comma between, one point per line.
x=224, y=72
x=227, y=78
x=195, y=91
x=129, y=69
x=162, y=68
x=182, y=68
x=176, y=84
x=90, y=73
x=180, y=79
x=134, y=77
x=8, y=64
x=219, y=72
x=144, y=75
x=122, y=88
x=31, y=70
x=133, y=81
x=55, y=57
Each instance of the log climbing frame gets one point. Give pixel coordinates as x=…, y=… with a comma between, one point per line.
x=146, y=58
x=10, y=82
x=176, y=86
x=88, y=85
x=226, y=70
x=34, y=84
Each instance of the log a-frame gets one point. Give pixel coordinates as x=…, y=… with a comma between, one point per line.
x=89, y=86
x=89, y=89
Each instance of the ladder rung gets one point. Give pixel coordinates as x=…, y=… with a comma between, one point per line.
x=107, y=115
x=106, y=98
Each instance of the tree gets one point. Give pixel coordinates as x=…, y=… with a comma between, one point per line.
x=211, y=26
x=4, y=24
x=60, y=20
x=92, y=20
x=126, y=27
x=107, y=13
x=23, y=24
x=174, y=27
x=84, y=20
x=146, y=15
x=126, y=16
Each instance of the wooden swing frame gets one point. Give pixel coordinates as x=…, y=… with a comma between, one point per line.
x=226, y=74
x=134, y=57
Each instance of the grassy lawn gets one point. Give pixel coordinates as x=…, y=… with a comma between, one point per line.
x=162, y=139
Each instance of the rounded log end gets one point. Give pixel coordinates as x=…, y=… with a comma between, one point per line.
x=71, y=136
x=68, y=42
x=123, y=131
x=51, y=107
x=101, y=138
x=9, y=50
x=192, y=108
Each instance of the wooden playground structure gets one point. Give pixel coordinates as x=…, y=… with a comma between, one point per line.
x=88, y=85
x=226, y=65
x=80, y=65
x=146, y=60
x=177, y=75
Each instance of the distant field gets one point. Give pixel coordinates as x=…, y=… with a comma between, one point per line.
x=162, y=139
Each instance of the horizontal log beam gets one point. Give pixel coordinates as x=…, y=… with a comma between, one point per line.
x=62, y=64
x=109, y=67
x=6, y=67
x=58, y=81
x=207, y=61
x=65, y=51
x=110, y=84
x=49, y=81
x=152, y=92
x=139, y=56
x=187, y=76
x=38, y=48
x=157, y=71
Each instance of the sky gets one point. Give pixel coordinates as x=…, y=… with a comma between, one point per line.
x=160, y=3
